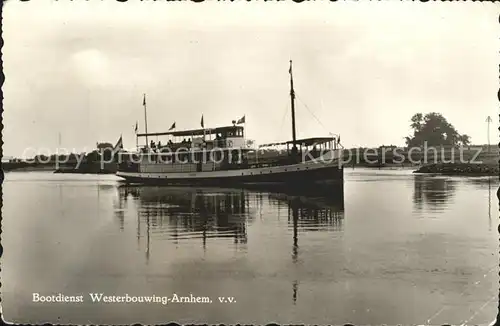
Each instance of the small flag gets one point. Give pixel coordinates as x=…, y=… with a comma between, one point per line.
x=290, y=70
x=136, y=126
x=202, y=124
x=119, y=144
x=144, y=100
x=241, y=120
x=172, y=127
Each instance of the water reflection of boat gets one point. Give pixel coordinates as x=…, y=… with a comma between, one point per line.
x=313, y=213
x=204, y=213
x=222, y=202
x=309, y=210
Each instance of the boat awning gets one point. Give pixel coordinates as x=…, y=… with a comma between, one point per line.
x=192, y=132
x=303, y=142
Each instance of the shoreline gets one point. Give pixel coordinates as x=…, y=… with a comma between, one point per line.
x=459, y=169
x=83, y=169
x=445, y=169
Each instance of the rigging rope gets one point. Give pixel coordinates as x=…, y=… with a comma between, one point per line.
x=283, y=119
x=311, y=112
x=329, y=132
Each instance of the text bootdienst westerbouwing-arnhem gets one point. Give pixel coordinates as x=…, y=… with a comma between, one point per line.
x=126, y=298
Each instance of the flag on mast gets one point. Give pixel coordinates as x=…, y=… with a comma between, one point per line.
x=201, y=122
x=172, y=127
x=144, y=100
x=136, y=126
x=119, y=144
x=240, y=120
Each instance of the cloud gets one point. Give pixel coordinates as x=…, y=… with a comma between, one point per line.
x=81, y=68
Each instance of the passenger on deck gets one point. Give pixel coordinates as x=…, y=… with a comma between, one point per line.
x=159, y=144
x=219, y=141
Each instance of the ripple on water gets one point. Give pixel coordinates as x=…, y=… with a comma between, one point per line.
x=397, y=243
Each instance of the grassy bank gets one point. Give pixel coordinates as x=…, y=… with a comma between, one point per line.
x=467, y=169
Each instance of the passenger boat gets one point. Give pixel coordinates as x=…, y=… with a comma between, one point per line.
x=221, y=156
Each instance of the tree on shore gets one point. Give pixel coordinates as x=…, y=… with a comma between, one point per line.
x=105, y=150
x=464, y=140
x=93, y=157
x=434, y=129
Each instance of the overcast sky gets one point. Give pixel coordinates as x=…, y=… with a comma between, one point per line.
x=363, y=69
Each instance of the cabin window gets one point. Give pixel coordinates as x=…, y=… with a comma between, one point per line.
x=234, y=132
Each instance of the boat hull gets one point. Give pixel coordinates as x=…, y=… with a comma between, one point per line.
x=297, y=175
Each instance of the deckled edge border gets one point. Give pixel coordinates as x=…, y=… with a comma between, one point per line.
x=2, y=80
x=496, y=321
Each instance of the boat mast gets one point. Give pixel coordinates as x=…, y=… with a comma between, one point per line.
x=145, y=119
x=292, y=99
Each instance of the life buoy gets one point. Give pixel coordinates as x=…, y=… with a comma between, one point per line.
x=229, y=143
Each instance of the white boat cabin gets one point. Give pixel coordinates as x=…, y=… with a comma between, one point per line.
x=228, y=137
x=194, y=150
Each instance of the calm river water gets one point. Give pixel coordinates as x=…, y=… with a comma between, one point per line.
x=400, y=248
